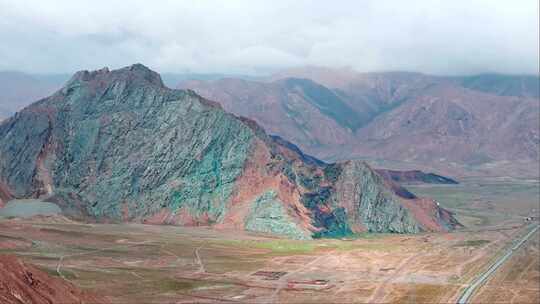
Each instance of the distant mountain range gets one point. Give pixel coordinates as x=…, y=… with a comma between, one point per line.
x=19, y=89
x=473, y=125
x=121, y=146
x=486, y=124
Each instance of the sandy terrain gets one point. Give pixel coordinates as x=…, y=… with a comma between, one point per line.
x=142, y=263
x=518, y=280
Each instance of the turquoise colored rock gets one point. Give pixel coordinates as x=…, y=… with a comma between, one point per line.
x=119, y=145
x=268, y=214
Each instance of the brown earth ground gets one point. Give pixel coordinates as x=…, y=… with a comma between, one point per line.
x=135, y=263
x=518, y=280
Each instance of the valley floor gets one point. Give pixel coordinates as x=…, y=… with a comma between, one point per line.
x=518, y=280
x=134, y=263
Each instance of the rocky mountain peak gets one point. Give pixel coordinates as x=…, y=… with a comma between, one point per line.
x=119, y=145
x=133, y=75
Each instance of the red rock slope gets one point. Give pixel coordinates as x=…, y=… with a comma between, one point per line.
x=24, y=283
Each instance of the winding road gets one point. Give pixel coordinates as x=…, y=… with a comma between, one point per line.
x=470, y=290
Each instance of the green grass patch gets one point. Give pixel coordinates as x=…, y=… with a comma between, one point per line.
x=12, y=238
x=280, y=246
x=49, y=271
x=8, y=250
x=365, y=246
x=66, y=273
x=39, y=256
x=371, y=235
x=285, y=246
x=79, y=231
x=224, y=265
x=293, y=247
x=177, y=285
x=472, y=243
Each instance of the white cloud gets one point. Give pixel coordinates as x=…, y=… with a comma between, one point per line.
x=433, y=36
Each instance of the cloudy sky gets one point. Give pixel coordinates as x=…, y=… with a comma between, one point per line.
x=257, y=37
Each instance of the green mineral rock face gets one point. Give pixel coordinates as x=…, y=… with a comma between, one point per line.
x=120, y=145
x=268, y=214
x=378, y=208
x=123, y=139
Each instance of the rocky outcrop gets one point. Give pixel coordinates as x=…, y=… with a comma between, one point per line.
x=267, y=214
x=119, y=145
x=24, y=283
x=5, y=194
x=370, y=203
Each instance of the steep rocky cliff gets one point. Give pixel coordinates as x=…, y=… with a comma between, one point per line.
x=119, y=145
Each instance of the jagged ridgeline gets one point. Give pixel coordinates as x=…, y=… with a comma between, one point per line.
x=119, y=145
